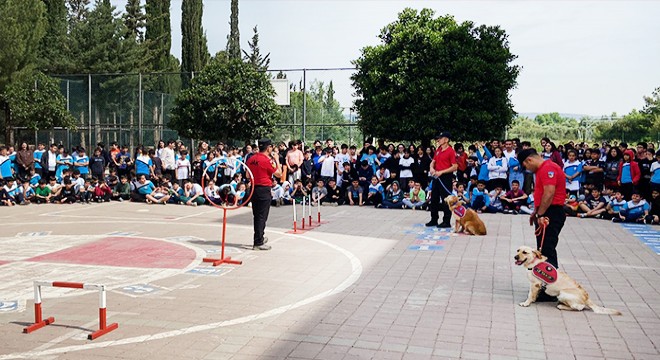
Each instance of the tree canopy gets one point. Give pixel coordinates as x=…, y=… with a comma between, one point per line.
x=229, y=99
x=430, y=74
x=194, y=51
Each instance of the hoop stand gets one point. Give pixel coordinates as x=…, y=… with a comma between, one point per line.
x=223, y=259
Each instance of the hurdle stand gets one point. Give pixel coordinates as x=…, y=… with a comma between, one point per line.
x=39, y=322
x=223, y=259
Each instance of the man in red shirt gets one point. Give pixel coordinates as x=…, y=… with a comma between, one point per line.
x=549, y=197
x=442, y=170
x=263, y=167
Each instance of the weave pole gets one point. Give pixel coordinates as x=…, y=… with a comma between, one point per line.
x=39, y=322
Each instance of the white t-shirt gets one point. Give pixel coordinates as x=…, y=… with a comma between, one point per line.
x=328, y=166
x=406, y=173
x=182, y=168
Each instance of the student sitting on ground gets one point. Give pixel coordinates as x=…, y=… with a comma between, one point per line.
x=28, y=193
x=11, y=193
x=480, y=198
x=593, y=205
x=513, y=199
x=86, y=191
x=122, y=191
x=376, y=192
x=240, y=193
x=529, y=208
x=335, y=196
x=211, y=192
x=141, y=188
x=393, y=198
x=495, y=199
x=614, y=206
x=416, y=197
x=654, y=214
x=277, y=194
x=67, y=193
x=298, y=192
x=160, y=195
x=193, y=194
x=102, y=192
x=319, y=193
x=42, y=193
x=354, y=193
x=461, y=194
x=635, y=210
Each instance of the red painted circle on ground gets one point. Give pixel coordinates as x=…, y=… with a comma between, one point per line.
x=124, y=252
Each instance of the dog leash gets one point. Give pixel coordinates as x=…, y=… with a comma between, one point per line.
x=540, y=231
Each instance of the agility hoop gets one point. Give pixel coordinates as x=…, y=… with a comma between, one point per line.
x=225, y=208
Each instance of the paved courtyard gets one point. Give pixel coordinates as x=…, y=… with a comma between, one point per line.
x=365, y=284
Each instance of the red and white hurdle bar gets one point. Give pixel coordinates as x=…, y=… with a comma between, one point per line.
x=39, y=322
x=306, y=215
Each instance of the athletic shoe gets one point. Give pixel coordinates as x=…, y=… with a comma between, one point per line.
x=444, y=225
x=617, y=220
x=431, y=223
x=261, y=247
x=121, y=200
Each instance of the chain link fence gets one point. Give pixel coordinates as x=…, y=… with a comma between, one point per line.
x=133, y=109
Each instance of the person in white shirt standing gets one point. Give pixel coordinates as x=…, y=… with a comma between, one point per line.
x=327, y=165
x=405, y=169
x=167, y=158
x=340, y=159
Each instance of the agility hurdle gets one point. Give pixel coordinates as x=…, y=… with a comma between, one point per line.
x=39, y=322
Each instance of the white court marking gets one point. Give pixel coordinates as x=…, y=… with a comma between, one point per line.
x=356, y=272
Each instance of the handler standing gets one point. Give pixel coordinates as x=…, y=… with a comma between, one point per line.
x=442, y=170
x=549, y=196
x=263, y=167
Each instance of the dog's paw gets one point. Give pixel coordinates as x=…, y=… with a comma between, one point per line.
x=524, y=304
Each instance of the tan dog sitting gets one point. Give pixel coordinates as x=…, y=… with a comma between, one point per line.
x=569, y=293
x=467, y=220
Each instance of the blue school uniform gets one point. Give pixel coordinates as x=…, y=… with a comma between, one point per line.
x=37, y=158
x=5, y=167
x=34, y=180
x=626, y=177
x=14, y=164
x=483, y=169
x=84, y=169
x=617, y=206
x=60, y=167
x=146, y=188
x=634, y=211
x=142, y=166
x=515, y=174
x=371, y=159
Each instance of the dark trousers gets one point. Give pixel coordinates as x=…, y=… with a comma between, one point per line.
x=260, y=208
x=557, y=217
x=439, y=191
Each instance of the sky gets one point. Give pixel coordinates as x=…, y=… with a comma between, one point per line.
x=577, y=57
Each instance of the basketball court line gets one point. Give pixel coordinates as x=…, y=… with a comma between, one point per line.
x=77, y=207
x=356, y=272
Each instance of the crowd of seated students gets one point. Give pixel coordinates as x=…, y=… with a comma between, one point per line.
x=609, y=181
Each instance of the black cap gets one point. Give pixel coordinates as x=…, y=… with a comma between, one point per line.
x=443, y=134
x=524, y=154
x=265, y=142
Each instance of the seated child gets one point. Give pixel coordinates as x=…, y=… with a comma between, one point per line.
x=86, y=191
x=240, y=193
x=319, y=192
x=123, y=190
x=614, y=207
x=593, y=205
x=42, y=194
x=28, y=193
x=11, y=193
x=529, y=208
x=334, y=193
x=514, y=198
x=298, y=192
x=416, y=197
x=160, y=195
x=393, y=198
x=634, y=210
x=211, y=192
x=461, y=194
x=480, y=197
x=354, y=193
x=654, y=214
x=495, y=200
x=376, y=192
x=67, y=193
x=277, y=193
x=102, y=192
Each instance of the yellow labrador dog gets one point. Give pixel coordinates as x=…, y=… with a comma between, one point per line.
x=570, y=294
x=467, y=220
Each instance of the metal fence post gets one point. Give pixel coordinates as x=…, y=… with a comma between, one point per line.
x=304, y=89
x=89, y=108
x=140, y=108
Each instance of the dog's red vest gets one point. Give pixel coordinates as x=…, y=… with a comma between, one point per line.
x=545, y=272
x=460, y=211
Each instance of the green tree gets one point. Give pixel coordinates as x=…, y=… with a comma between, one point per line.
x=430, y=74
x=159, y=34
x=54, y=46
x=254, y=57
x=22, y=27
x=632, y=127
x=78, y=10
x=194, y=51
x=135, y=20
x=36, y=102
x=228, y=100
x=234, y=38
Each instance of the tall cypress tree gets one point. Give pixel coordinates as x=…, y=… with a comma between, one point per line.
x=234, y=41
x=254, y=57
x=159, y=33
x=194, y=51
x=134, y=19
x=55, y=46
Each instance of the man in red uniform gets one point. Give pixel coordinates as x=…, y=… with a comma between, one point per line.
x=549, y=196
x=442, y=170
x=263, y=167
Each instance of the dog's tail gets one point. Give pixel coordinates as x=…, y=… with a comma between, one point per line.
x=601, y=310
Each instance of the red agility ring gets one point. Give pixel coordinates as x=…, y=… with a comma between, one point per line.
x=243, y=203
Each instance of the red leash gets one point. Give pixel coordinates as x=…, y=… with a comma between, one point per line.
x=543, y=224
